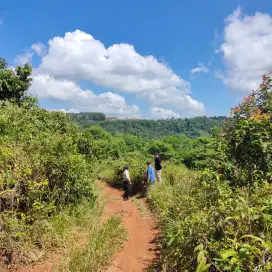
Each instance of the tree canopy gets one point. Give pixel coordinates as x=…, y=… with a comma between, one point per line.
x=14, y=83
x=155, y=129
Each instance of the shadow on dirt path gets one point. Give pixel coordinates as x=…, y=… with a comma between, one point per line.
x=140, y=250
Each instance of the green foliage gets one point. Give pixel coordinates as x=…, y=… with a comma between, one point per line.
x=113, y=171
x=135, y=143
x=222, y=220
x=26, y=243
x=41, y=173
x=200, y=210
x=160, y=147
x=102, y=244
x=247, y=136
x=14, y=84
x=86, y=119
x=96, y=144
x=151, y=129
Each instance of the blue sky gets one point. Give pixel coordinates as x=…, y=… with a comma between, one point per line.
x=153, y=59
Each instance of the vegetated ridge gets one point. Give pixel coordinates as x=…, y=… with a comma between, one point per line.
x=152, y=129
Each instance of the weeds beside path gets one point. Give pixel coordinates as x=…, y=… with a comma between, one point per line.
x=139, y=251
x=92, y=247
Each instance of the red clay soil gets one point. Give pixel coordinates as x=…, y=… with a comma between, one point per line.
x=140, y=250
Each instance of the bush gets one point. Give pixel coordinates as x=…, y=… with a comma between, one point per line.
x=222, y=219
x=41, y=173
x=246, y=138
x=206, y=224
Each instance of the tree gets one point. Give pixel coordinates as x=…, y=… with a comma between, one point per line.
x=14, y=84
x=247, y=136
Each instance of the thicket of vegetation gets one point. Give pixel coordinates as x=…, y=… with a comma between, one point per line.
x=155, y=129
x=87, y=118
x=219, y=218
x=214, y=203
x=47, y=193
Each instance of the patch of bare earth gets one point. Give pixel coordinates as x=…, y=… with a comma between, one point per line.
x=140, y=250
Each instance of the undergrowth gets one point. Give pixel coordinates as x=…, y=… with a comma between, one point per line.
x=207, y=226
x=102, y=243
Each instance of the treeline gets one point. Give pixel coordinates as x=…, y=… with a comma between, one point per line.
x=155, y=129
x=86, y=118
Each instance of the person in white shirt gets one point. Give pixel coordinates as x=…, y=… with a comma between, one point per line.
x=127, y=183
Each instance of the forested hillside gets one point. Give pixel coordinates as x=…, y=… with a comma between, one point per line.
x=155, y=129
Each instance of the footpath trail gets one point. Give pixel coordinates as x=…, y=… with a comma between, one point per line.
x=140, y=250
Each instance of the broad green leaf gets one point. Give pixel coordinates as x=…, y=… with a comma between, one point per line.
x=225, y=254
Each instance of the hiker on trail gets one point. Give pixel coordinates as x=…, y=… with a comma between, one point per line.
x=158, y=167
x=150, y=174
x=127, y=183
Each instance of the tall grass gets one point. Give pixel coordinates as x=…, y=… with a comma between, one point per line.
x=33, y=243
x=97, y=252
x=208, y=226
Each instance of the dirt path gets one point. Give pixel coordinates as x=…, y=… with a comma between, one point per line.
x=140, y=250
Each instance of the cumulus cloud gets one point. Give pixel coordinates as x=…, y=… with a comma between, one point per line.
x=160, y=113
x=26, y=57
x=247, y=49
x=45, y=86
x=39, y=48
x=185, y=104
x=78, y=56
x=200, y=69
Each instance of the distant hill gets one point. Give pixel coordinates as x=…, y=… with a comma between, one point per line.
x=152, y=129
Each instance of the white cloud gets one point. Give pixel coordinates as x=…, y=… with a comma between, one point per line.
x=247, y=49
x=201, y=68
x=46, y=87
x=39, y=48
x=78, y=56
x=160, y=113
x=1, y=21
x=186, y=105
x=26, y=57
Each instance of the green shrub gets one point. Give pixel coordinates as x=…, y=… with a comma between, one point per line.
x=205, y=213
x=41, y=174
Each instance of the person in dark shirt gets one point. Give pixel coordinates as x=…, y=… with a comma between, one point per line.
x=158, y=167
